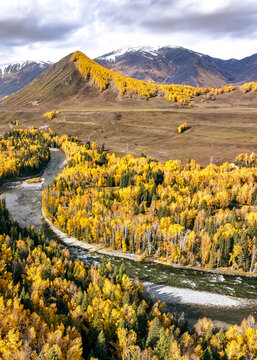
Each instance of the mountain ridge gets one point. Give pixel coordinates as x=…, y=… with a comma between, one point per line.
x=176, y=64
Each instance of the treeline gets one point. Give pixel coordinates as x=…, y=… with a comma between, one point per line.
x=180, y=214
x=130, y=87
x=25, y=152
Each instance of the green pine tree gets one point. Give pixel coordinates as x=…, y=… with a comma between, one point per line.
x=53, y=354
x=101, y=347
x=141, y=324
x=207, y=354
x=162, y=348
x=154, y=333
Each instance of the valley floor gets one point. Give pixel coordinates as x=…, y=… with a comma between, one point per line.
x=216, y=134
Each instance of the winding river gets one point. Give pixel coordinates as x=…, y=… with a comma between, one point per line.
x=189, y=294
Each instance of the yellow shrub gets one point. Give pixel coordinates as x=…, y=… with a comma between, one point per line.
x=51, y=114
x=251, y=86
x=182, y=128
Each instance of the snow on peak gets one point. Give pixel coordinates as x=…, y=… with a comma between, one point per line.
x=15, y=67
x=114, y=54
x=111, y=56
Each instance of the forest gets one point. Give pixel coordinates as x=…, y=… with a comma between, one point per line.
x=54, y=307
x=22, y=153
x=180, y=214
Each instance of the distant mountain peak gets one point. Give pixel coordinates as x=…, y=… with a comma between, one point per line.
x=153, y=50
x=17, y=66
x=111, y=56
x=14, y=76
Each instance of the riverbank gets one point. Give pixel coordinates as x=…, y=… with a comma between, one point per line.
x=168, y=294
x=211, y=271
x=97, y=248
x=38, y=173
x=85, y=246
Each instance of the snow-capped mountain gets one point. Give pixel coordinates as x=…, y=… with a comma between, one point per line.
x=14, y=77
x=174, y=64
x=15, y=67
x=148, y=51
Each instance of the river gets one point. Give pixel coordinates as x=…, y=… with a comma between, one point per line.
x=188, y=293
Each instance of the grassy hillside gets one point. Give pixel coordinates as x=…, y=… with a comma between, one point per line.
x=59, y=83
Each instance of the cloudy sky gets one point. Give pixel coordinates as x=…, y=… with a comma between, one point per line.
x=49, y=30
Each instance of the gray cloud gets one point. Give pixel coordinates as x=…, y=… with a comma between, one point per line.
x=163, y=16
x=88, y=25
x=234, y=22
x=36, y=23
x=16, y=32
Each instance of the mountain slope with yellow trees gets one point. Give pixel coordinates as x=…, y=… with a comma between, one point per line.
x=130, y=87
x=78, y=80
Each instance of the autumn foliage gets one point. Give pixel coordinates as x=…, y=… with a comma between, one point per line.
x=180, y=214
x=183, y=127
x=22, y=153
x=54, y=307
x=251, y=86
x=51, y=114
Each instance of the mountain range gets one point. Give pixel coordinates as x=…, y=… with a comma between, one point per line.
x=14, y=77
x=76, y=80
x=162, y=65
x=172, y=64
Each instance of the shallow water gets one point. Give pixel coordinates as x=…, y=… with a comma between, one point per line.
x=24, y=203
